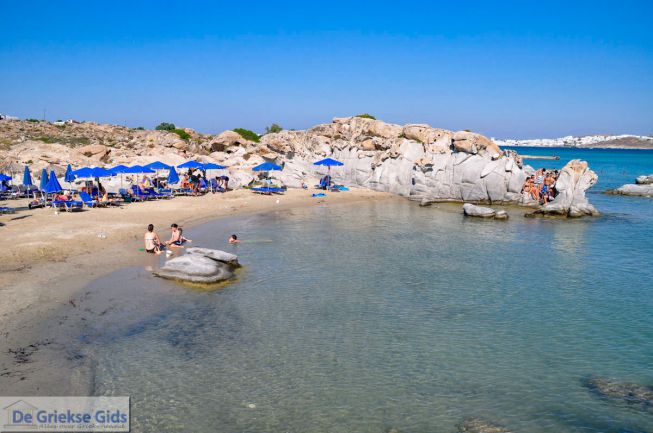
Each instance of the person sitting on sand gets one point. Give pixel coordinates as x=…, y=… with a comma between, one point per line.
x=152, y=241
x=234, y=239
x=177, y=238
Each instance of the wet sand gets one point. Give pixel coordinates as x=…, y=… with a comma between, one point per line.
x=49, y=258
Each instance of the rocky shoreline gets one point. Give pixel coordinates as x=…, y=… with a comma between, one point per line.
x=416, y=161
x=643, y=187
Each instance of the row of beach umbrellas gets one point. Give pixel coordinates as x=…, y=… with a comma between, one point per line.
x=50, y=184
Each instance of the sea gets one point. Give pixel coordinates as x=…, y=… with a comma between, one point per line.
x=384, y=316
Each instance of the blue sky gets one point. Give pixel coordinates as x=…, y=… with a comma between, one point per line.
x=520, y=69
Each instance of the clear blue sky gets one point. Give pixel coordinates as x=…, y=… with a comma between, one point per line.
x=503, y=68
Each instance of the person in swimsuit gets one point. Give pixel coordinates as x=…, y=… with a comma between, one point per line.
x=152, y=241
x=177, y=238
x=234, y=239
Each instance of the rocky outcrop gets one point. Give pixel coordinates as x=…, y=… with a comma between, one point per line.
x=475, y=425
x=630, y=393
x=636, y=190
x=416, y=161
x=472, y=210
x=574, y=180
x=200, y=265
x=644, y=180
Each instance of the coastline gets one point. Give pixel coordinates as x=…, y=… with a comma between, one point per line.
x=53, y=257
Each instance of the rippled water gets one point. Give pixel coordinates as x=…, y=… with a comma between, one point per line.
x=388, y=315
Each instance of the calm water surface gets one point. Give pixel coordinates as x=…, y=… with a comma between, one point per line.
x=386, y=315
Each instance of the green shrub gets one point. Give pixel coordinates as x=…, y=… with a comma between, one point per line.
x=247, y=134
x=139, y=128
x=366, y=116
x=181, y=133
x=32, y=120
x=47, y=139
x=165, y=126
x=274, y=128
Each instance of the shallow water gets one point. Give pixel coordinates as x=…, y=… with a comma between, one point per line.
x=388, y=315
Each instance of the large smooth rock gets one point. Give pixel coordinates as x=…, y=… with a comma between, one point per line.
x=478, y=211
x=639, y=190
x=574, y=180
x=475, y=425
x=217, y=255
x=631, y=393
x=195, y=268
x=644, y=180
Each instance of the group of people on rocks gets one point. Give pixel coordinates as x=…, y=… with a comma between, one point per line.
x=541, y=185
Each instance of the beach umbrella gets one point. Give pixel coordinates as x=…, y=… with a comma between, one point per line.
x=212, y=166
x=191, y=164
x=173, y=177
x=328, y=162
x=267, y=166
x=27, y=177
x=138, y=169
x=44, y=180
x=4, y=177
x=98, y=172
x=53, y=184
x=69, y=176
x=157, y=165
x=82, y=172
x=118, y=169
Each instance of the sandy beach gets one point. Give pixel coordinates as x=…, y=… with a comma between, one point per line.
x=52, y=256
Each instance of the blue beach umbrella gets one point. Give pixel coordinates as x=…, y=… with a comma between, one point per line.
x=191, y=164
x=212, y=166
x=27, y=177
x=118, y=169
x=329, y=162
x=267, y=166
x=173, y=177
x=69, y=176
x=4, y=177
x=82, y=172
x=44, y=180
x=157, y=165
x=100, y=172
x=137, y=169
x=53, y=184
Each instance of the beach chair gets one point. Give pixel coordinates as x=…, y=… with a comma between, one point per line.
x=4, y=210
x=166, y=192
x=138, y=192
x=215, y=187
x=88, y=201
x=67, y=205
x=267, y=190
x=127, y=197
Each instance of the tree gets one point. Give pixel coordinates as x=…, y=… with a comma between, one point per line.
x=247, y=134
x=165, y=126
x=274, y=128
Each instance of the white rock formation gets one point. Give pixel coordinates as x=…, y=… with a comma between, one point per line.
x=575, y=178
x=200, y=265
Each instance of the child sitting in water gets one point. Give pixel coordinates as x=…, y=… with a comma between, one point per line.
x=234, y=239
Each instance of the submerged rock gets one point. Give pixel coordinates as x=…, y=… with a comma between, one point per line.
x=478, y=211
x=475, y=425
x=630, y=393
x=638, y=190
x=200, y=265
x=574, y=180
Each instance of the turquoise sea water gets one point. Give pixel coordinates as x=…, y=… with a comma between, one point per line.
x=386, y=315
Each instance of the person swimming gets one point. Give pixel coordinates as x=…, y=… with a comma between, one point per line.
x=234, y=239
x=152, y=241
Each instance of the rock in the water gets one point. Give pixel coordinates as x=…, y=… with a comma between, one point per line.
x=644, y=180
x=575, y=178
x=501, y=215
x=478, y=211
x=218, y=255
x=630, y=393
x=638, y=190
x=200, y=265
x=480, y=426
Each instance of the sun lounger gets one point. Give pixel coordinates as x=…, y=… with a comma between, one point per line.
x=137, y=192
x=7, y=210
x=89, y=202
x=67, y=205
x=336, y=188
